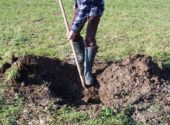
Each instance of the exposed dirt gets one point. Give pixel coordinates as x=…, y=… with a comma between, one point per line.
x=4, y=67
x=140, y=83
x=137, y=82
x=43, y=81
x=61, y=77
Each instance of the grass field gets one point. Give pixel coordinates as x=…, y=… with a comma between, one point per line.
x=127, y=27
x=36, y=27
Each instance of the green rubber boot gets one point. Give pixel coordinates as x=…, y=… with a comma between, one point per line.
x=90, y=54
x=79, y=49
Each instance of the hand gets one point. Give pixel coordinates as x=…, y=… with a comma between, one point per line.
x=71, y=35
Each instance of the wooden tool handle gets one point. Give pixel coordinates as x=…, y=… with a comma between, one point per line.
x=74, y=53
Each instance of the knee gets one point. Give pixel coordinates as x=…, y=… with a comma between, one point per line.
x=91, y=42
x=78, y=38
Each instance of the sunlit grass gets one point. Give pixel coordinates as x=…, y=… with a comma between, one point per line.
x=127, y=27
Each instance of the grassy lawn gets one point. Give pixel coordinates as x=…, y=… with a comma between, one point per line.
x=105, y=117
x=127, y=27
x=36, y=27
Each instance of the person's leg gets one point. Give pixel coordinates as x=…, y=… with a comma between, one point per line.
x=78, y=42
x=90, y=49
x=78, y=36
x=91, y=31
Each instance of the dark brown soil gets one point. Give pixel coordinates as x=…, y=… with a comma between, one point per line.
x=135, y=82
x=4, y=67
x=140, y=83
x=60, y=77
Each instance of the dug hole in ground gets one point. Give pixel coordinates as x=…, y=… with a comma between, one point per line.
x=137, y=82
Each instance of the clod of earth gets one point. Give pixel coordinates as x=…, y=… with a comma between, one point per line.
x=4, y=67
x=135, y=82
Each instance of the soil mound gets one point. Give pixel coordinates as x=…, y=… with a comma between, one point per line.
x=61, y=78
x=137, y=82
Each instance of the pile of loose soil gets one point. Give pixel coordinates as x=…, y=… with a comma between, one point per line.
x=135, y=82
x=61, y=77
x=44, y=81
x=140, y=83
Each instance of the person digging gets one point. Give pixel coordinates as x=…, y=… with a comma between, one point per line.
x=88, y=11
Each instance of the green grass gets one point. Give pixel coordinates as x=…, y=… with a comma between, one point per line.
x=10, y=107
x=36, y=27
x=137, y=26
x=11, y=73
x=106, y=116
x=127, y=27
